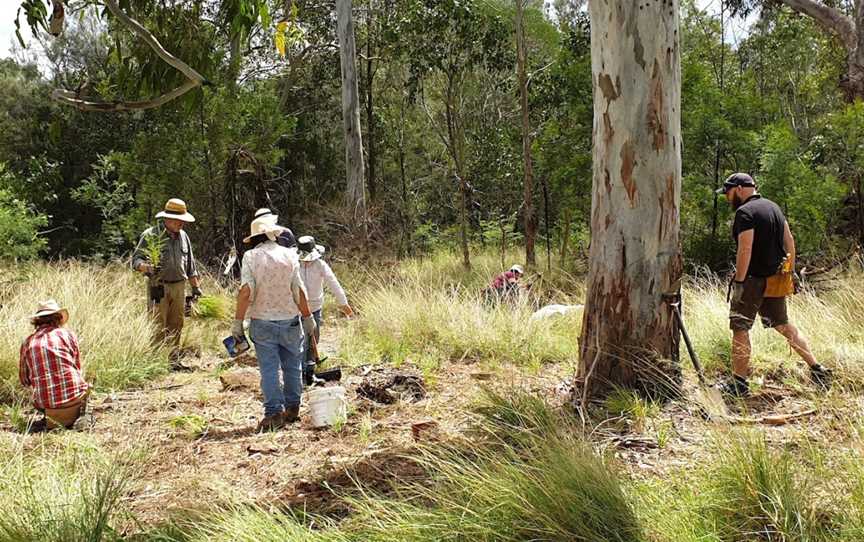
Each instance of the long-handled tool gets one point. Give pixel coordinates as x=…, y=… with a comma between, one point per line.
x=709, y=399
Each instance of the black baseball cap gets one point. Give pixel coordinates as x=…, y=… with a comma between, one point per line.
x=736, y=179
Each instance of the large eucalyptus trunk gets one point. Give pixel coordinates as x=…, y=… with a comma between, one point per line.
x=628, y=331
x=356, y=193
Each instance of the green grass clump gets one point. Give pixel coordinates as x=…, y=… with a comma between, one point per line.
x=550, y=486
x=247, y=524
x=211, y=307
x=761, y=492
x=191, y=425
x=107, y=311
x=74, y=495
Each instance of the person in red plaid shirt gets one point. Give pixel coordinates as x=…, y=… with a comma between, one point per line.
x=50, y=365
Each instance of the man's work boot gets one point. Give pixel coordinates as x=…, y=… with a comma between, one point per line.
x=735, y=387
x=291, y=414
x=821, y=377
x=271, y=423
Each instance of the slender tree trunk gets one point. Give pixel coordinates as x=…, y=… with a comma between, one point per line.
x=718, y=145
x=454, y=136
x=628, y=329
x=528, y=199
x=565, y=236
x=356, y=193
x=860, y=197
x=545, y=183
x=370, y=111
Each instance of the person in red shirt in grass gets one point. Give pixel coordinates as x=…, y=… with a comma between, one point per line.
x=505, y=285
x=50, y=364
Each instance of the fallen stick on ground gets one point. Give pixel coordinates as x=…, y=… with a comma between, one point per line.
x=776, y=419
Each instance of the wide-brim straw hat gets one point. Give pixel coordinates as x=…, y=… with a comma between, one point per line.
x=264, y=225
x=176, y=209
x=49, y=307
x=265, y=212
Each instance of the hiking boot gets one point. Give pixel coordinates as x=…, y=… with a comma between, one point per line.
x=291, y=414
x=271, y=423
x=821, y=377
x=735, y=387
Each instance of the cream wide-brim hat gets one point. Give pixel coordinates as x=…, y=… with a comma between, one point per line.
x=176, y=209
x=264, y=225
x=49, y=307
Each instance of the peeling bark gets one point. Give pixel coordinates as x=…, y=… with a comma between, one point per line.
x=628, y=332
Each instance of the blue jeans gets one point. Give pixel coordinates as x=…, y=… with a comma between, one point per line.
x=309, y=354
x=279, y=347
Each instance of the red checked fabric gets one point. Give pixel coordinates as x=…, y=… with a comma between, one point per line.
x=51, y=365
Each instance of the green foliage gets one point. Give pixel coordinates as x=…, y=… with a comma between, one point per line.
x=19, y=224
x=808, y=197
x=212, y=307
x=75, y=496
x=154, y=245
x=190, y=425
x=112, y=197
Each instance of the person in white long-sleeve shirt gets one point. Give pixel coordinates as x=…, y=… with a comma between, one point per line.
x=315, y=274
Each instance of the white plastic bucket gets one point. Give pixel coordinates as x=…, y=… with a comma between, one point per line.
x=327, y=405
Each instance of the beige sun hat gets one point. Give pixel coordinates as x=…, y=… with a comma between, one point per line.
x=264, y=224
x=49, y=307
x=264, y=211
x=308, y=249
x=176, y=209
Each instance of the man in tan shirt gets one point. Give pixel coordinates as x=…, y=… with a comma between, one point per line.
x=166, y=279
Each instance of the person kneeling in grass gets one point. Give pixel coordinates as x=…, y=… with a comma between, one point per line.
x=50, y=365
x=315, y=274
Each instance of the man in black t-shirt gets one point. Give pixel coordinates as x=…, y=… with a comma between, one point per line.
x=764, y=242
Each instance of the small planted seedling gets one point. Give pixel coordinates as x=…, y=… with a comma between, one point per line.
x=154, y=244
x=191, y=425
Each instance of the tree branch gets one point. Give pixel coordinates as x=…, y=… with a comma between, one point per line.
x=139, y=30
x=195, y=78
x=71, y=98
x=830, y=19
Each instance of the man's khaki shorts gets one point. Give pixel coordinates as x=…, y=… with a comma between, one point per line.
x=747, y=302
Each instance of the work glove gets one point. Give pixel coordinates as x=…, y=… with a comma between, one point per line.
x=309, y=326
x=237, y=329
x=197, y=293
x=737, y=292
x=347, y=311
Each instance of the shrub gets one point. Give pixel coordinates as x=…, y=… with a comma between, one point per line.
x=19, y=225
